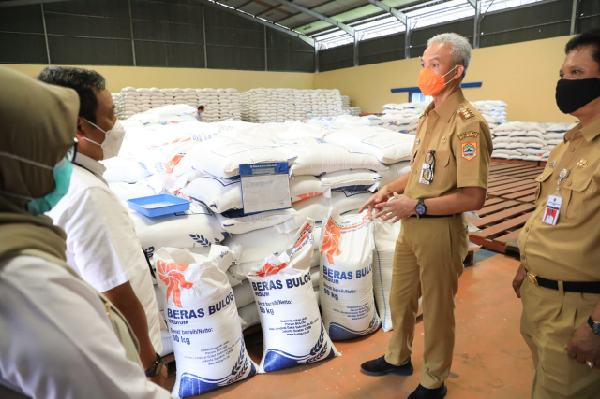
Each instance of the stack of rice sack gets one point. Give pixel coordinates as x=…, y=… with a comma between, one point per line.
x=555, y=132
x=403, y=117
x=494, y=111
x=219, y=104
x=119, y=105
x=530, y=141
x=279, y=105
x=520, y=140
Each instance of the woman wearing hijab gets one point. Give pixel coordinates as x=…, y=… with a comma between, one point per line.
x=58, y=338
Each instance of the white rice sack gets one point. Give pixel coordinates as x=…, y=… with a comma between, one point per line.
x=394, y=172
x=221, y=156
x=343, y=201
x=123, y=170
x=388, y=147
x=207, y=337
x=237, y=223
x=347, y=299
x=386, y=235
x=219, y=194
x=314, y=159
x=305, y=187
x=195, y=228
x=293, y=332
x=350, y=178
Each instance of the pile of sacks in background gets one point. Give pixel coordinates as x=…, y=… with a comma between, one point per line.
x=347, y=109
x=219, y=104
x=530, y=141
x=278, y=105
x=403, y=117
x=332, y=164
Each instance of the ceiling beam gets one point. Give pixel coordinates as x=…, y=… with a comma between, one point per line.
x=250, y=17
x=346, y=28
x=390, y=10
x=473, y=3
x=17, y=3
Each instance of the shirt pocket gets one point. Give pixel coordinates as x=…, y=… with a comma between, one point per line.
x=577, y=189
x=443, y=170
x=541, y=180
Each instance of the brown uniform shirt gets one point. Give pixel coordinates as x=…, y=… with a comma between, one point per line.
x=460, y=137
x=569, y=250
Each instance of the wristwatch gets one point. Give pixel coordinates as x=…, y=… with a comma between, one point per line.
x=152, y=371
x=595, y=325
x=420, y=208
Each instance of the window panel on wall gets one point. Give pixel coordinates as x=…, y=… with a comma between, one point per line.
x=167, y=31
x=105, y=8
x=589, y=15
x=526, y=23
x=20, y=48
x=338, y=57
x=150, y=53
x=298, y=61
x=235, y=58
x=281, y=41
x=76, y=50
x=226, y=36
x=185, y=55
x=381, y=49
x=79, y=25
x=21, y=19
x=419, y=37
x=166, y=11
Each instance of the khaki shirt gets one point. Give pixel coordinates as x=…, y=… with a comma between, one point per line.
x=460, y=137
x=569, y=250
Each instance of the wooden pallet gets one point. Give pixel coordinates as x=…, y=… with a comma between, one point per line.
x=511, y=193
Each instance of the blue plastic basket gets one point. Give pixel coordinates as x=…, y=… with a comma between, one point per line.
x=159, y=205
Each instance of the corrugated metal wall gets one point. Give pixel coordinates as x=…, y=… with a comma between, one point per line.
x=183, y=33
x=147, y=33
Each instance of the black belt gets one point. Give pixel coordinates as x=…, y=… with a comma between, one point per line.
x=433, y=216
x=588, y=287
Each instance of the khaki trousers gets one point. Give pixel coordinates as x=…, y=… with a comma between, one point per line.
x=548, y=322
x=428, y=261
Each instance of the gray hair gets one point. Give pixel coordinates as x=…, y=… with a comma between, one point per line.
x=461, y=48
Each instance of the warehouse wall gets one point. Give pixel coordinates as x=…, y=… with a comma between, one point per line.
x=122, y=76
x=522, y=74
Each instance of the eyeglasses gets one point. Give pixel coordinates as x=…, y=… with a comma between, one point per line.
x=430, y=162
x=72, y=151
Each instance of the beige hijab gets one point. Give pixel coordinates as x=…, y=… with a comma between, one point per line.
x=37, y=123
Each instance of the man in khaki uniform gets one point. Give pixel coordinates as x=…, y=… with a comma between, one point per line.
x=448, y=177
x=559, y=276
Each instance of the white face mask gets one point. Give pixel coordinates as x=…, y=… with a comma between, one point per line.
x=113, y=140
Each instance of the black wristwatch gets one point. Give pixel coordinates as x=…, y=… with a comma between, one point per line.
x=595, y=325
x=421, y=208
x=152, y=371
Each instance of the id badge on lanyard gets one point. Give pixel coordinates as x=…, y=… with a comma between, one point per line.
x=554, y=201
x=427, y=169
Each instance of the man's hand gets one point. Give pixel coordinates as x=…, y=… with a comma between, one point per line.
x=518, y=280
x=377, y=198
x=397, y=208
x=585, y=346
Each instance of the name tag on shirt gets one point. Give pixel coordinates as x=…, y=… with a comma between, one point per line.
x=552, y=211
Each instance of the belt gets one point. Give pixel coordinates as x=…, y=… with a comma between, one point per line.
x=433, y=216
x=589, y=287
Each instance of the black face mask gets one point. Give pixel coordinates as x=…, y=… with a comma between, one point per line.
x=572, y=94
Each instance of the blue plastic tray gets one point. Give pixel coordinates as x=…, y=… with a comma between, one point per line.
x=159, y=205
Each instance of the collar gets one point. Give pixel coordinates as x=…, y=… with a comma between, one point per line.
x=448, y=107
x=90, y=164
x=590, y=131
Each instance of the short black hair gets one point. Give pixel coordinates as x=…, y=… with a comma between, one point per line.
x=201, y=107
x=87, y=83
x=589, y=38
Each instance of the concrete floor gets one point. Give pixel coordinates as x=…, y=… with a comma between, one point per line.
x=491, y=360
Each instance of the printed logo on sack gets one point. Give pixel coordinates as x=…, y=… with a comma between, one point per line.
x=270, y=269
x=331, y=237
x=170, y=275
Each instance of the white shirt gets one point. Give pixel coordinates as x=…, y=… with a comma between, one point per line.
x=102, y=245
x=56, y=341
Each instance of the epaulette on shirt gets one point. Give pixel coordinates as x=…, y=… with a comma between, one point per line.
x=465, y=113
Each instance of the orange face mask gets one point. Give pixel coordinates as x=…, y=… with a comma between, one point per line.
x=431, y=83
